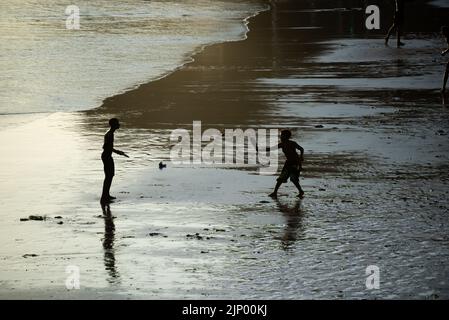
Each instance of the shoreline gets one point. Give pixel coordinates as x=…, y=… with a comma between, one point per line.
x=189, y=58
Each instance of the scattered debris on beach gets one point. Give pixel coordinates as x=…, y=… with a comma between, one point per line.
x=157, y=234
x=37, y=218
x=195, y=236
x=34, y=218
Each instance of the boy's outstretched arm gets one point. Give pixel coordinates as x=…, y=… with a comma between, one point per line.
x=268, y=149
x=120, y=152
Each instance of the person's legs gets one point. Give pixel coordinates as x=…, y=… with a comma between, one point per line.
x=283, y=177
x=446, y=74
x=106, y=187
x=398, y=33
x=109, y=171
x=294, y=177
x=276, y=188
x=390, y=31
x=298, y=186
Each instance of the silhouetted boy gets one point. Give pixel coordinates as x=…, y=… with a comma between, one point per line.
x=292, y=166
x=108, y=161
x=398, y=22
x=445, y=32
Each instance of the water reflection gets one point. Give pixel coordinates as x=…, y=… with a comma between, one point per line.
x=294, y=227
x=108, y=245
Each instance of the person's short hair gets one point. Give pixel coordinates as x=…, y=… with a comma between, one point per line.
x=113, y=121
x=445, y=30
x=286, y=134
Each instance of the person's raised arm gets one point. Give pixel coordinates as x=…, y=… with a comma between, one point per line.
x=445, y=51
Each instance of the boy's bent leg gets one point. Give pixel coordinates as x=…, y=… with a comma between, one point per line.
x=283, y=177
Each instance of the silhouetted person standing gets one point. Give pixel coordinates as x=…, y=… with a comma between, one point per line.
x=108, y=161
x=445, y=32
x=398, y=22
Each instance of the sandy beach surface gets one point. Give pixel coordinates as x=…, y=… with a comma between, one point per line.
x=374, y=129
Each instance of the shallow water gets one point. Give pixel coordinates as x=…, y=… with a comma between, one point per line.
x=47, y=68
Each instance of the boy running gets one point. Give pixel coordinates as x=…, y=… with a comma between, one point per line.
x=293, y=164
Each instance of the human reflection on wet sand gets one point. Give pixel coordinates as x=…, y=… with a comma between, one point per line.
x=294, y=228
x=108, y=245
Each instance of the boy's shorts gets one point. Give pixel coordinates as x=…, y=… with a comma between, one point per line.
x=291, y=171
x=108, y=164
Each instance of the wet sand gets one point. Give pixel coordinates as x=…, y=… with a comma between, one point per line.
x=375, y=133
